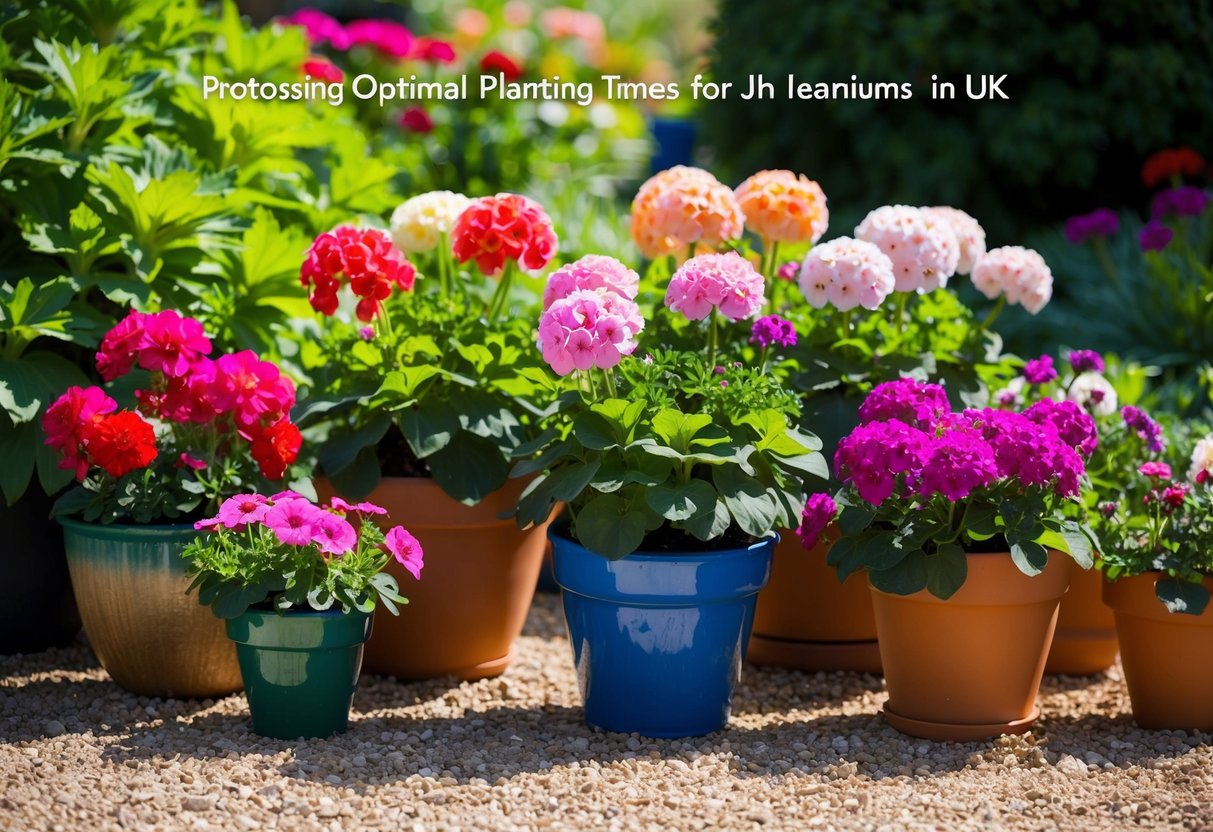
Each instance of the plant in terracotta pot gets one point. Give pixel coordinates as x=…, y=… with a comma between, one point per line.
x=956, y=517
x=1158, y=554
x=204, y=428
x=422, y=391
x=296, y=584
x=1085, y=640
x=676, y=469
x=870, y=309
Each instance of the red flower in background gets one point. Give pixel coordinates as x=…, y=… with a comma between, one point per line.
x=120, y=443
x=1170, y=163
x=416, y=120
x=67, y=422
x=363, y=256
x=434, y=51
x=500, y=62
x=323, y=70
x=275, y=448
x=494, y=229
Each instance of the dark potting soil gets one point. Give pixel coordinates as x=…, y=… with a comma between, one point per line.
x=397, y=459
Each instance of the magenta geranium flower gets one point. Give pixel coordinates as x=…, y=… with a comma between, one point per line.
x=405, y=549
x=1040, y=370
x=293, y=521
x=333, y=535
x=1156, y=470
x=238, y=512
x=171, y=343
x=819, y=512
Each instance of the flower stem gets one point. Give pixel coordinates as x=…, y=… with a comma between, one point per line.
x=444, y=258
x=609, y=375
x=1106, y=263
x=500, y=297
x=993, y=316
x=712, y=341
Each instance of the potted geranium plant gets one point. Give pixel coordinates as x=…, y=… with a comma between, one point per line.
x=953, y=516
x=870, y=309
x=422, y=395
x=676, y=467
x=1158, y=556
x=296, y=584
x=204, y=428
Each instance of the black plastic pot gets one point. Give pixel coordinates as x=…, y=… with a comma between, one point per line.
x=37, y=608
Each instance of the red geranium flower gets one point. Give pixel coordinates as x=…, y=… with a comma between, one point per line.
x=323, y=70
x=500, y=62
x=1168, y=164
x=494, y=229
x=416, y=120
x=433, y=51
x=275, y=448
x=363, y=256
x=121, y=443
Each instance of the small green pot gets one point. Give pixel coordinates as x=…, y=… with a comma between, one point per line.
x=300, y=669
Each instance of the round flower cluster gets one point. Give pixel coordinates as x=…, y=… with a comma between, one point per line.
x=1147, y=430
x=773, y=330
x=594, y=271
x=1093, y=393
x=1171, y=163
x=907, y=400
x=846, y=273
x=1101, y=222
x=297, y=521
x=494, y=229
x=1154, y=236
x=960, y=453
x=682, y=206
x=1185, y=201
x=780, y=206
x=1019, y=274
x=588, y=328
x=819, y=512
x=923, y=248
x=419, y=223
x=234, y=392
x=1086, y=361
x=727, y=282
x=366, y=258
x=1040, y=370
x=1202, y=461
x=969, y=234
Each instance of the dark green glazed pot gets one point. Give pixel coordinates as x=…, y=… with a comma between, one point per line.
x=300, y=669
x=154, y=640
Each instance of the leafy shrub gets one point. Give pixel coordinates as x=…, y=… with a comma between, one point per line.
x=1093, y=89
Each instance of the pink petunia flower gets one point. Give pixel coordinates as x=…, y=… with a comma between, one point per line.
x=338, y=504
x=405, y=549
x=293, y=521
x=334, y=535
x=238, y=512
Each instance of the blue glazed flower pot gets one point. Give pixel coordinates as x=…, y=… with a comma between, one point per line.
x=300, y=669
x=659, y=639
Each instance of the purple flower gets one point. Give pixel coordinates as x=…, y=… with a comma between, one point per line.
x=908, y=400
x=773, y=329
x=960, y=462
x=1031, y=453
x=819, y=512
x=1099, y=223
x=1154, y=236
x=1146, y=428
x=1040, y=370
x=1185, y=201
x=1108, y=509
x=789, y=270
x=874, y=455
x=1086, y=361
x=366, y=333
x=1074, y=426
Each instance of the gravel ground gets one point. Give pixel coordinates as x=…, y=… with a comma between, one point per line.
x=801, y=751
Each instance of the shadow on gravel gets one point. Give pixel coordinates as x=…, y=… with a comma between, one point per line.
x=1097, y=739
x=774, y=690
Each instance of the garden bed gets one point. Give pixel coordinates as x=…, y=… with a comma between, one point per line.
x=77, y=752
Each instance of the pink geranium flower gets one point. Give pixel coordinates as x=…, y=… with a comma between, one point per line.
x=238, y=512
x=171, y=343
x=405, y=549
x=254, y=391
x=293, y=521
x=727, y=282
x=120, y=347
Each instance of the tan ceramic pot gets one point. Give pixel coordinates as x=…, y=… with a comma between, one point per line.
x=969, y=667
x=476, y=586
x=1167, y=657
x=151, y=637
x=807, y=620
x=1085, y=641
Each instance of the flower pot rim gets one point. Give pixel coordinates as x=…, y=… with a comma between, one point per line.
x=1135, y=595
x=266, y=629
x=1032, y=588
x=754, y=549
x=126, y=530
x=489, y=507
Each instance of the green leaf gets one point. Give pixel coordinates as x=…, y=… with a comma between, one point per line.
x=428, y=427
x=359, y=478
x=541, y=441
x=568, y=481
x=1029, y=556
x=946, y=570
x=606, y=526
x=981, y=521
x=678, y=429
x=906, y=578
x=595, y=431
x=854, y=519
x=1181, y=596
x=340, y=450
x=469, y=468
x=746, y=499
x=18, y=446
x=403, y=383
x=694, y=499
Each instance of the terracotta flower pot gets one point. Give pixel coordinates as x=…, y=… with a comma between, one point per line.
x=1167, y=657
x=969, y=667
x=807, y=620
x=147, y=633
x=1085, y=641
x=479, y=578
